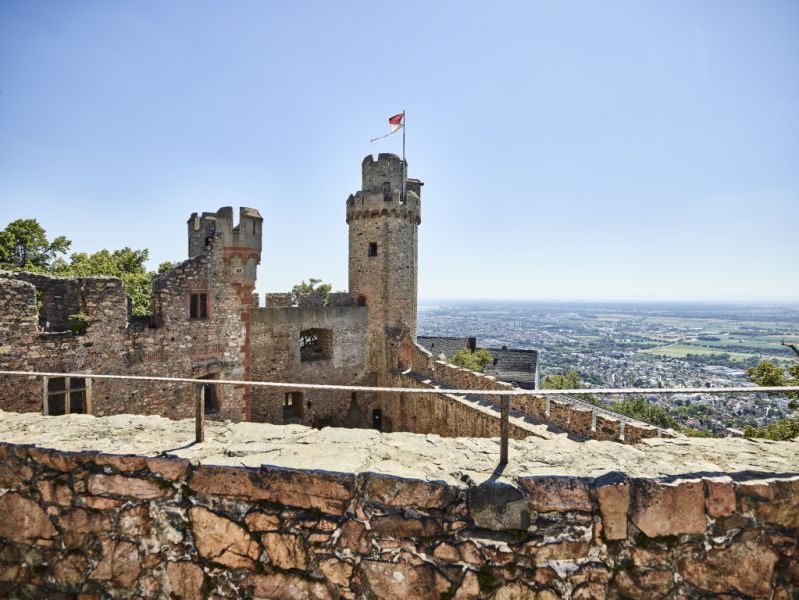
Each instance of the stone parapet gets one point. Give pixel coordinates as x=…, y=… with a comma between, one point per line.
x=356, y=514
x=607, y=428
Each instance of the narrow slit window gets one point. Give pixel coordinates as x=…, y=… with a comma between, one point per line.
x=387, y=196
x=372, y=248
x=198, y=306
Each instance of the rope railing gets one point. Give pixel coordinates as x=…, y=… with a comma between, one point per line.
x=504, y=426
x=475, y=392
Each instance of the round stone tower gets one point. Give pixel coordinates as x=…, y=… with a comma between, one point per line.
x=383, y=250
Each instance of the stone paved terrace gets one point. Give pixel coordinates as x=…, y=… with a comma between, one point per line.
x=128, y=507
x=425, y=457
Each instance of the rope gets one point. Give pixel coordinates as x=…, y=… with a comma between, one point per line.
x=439, y=390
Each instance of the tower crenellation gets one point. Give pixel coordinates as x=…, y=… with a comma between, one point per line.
x=247, y=234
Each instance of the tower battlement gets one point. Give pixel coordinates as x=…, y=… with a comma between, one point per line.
x=244, y=236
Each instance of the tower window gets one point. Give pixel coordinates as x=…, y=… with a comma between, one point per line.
x=198, y=306
x=387, y=195
x=66, y=395
x=372, y=248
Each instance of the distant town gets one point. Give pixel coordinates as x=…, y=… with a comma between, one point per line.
x=642, y=345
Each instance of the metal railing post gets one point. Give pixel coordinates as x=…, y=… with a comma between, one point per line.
x=503, y=429
x=199, y=414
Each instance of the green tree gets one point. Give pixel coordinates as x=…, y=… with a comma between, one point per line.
x=24, y=246
x=767, y=374
x=127, y=264
x=313, y=285
x=569, y=381
x=638, y=408
x=475, y=361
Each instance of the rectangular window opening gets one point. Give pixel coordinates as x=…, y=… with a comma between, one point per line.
x=292, y=407
x=387, y=195
x=198, y=306
x=67, y=395
x=372, y=248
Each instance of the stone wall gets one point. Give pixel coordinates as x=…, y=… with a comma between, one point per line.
x=154, y=525
x=275, y=343
x=168, y=344
x=444, y=414
x=560, y=413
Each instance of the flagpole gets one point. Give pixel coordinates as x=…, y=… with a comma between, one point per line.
x=404, y=166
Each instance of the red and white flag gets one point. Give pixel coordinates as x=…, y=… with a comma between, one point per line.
x=396, y=123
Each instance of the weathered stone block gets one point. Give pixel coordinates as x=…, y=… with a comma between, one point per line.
x=288, y=586
x=186, y=580
x=661, y=508
x=285, y=550
x=560, y=494
x=634, y=433
x=607, y=428
x=120, y=564
x=580, y=420
x=119, y=485
x=171, y=469
x=497, y=506
x=559, y=413
x=22, y=520
x=402, y=580
x=221, y=540
x=328, y=492
x=745, y=567
x=614, y=505
x=397, y=526
x=719, y=497
x=394, y=491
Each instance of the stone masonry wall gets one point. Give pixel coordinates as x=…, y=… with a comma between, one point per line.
x=443, y=414
x=557, y=412
x=173, y=345
x=104, y=525
x=275, y=343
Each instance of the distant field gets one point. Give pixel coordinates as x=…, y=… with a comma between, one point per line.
x=683, y=350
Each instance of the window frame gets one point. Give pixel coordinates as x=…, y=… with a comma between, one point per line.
x=199, y=305
x=372, y=250
x=67, y=392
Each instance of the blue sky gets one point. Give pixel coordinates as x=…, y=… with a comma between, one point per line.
x=570, y=150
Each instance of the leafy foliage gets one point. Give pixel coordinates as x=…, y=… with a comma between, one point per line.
x=638, y=408
x=474, y=361
x=313, y=285
x=569, y=381
x=24, y=246
x=767, y=374
x=127, y=264
x=784, y=429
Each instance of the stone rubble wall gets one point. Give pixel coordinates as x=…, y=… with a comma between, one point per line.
x=125, y=526
x=170, y=344
x=444, y=414
x=275, y=347
x=559, y=413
